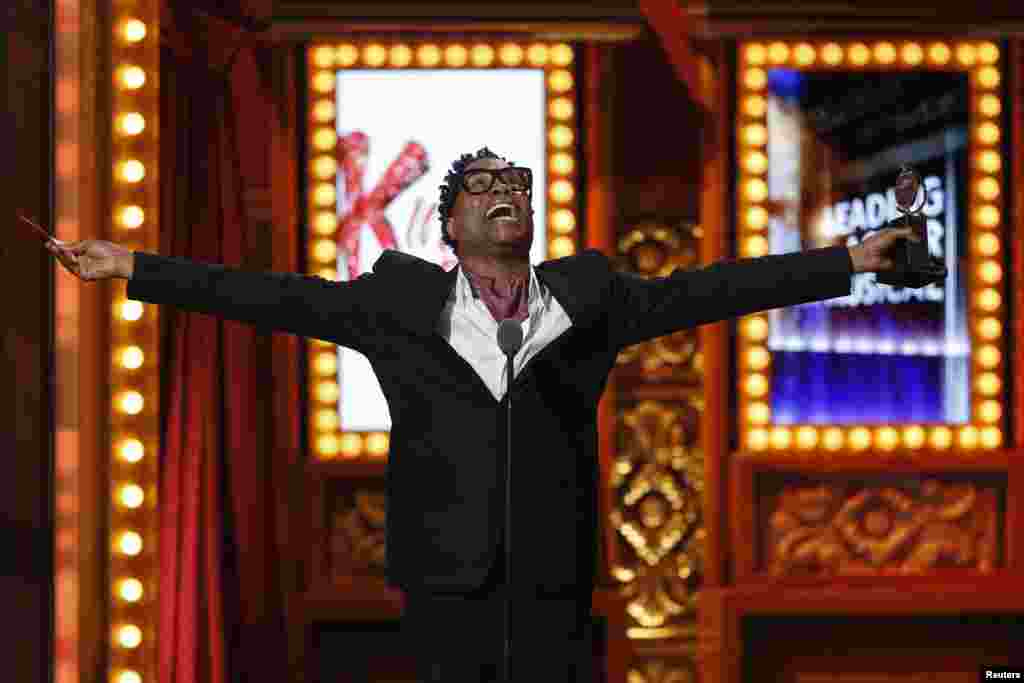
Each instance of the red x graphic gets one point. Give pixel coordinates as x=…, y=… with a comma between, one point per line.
x=367, y=208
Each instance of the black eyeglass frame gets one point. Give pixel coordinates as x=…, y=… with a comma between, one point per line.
x=493, y=174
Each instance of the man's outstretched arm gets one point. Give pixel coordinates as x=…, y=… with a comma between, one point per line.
x=645, y=308
x=288, y=302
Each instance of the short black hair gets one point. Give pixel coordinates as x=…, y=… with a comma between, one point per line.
x=452, y=185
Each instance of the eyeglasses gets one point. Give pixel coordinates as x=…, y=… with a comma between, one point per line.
x=480, y=180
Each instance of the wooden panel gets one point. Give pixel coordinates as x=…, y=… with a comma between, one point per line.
x=722, y=18
x=252, y=14
x=899, y=596
x=1015, y=119
x=892, y=649
x=565, y=20
x=933, y=602
x=562, y=10
x=714, y=339
x=597, y=122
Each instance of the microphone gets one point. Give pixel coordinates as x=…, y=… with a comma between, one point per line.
x=510, y=340
x=510, y=337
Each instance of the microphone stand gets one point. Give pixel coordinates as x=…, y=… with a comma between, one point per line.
x=508, y=528
x=510, y=339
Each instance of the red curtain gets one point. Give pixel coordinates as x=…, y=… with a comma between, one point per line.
x=222, y=599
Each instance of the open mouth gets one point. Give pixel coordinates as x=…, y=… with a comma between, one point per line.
x=502, y=212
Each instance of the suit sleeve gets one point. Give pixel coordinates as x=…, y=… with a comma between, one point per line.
x=643, y=308
x=308, y=306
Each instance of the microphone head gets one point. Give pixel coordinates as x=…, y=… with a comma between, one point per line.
x=510, y=336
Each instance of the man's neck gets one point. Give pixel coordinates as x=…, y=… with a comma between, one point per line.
x=500, y=270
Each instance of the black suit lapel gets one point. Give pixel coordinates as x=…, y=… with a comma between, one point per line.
x=415, y=290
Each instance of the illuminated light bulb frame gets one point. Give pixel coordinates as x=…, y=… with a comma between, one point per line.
x=133, y=223
x=324, y=59
x=983, y=61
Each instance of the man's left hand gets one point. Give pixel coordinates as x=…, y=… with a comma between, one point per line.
x=875, y=253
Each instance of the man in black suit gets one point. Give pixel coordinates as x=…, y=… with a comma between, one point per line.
x=430, y=338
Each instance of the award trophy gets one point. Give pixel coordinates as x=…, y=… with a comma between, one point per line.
x=914, y=266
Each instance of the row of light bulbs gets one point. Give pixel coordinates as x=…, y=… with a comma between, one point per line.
x=131, y=361
x=985, y=242
x=453, y=55
x=860, y=438
x=328, y=441
x=883, y=52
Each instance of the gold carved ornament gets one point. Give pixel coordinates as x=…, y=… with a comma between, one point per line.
x=908, y=528
x=658, y=479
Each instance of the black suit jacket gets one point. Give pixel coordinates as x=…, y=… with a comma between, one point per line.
x=446, y=463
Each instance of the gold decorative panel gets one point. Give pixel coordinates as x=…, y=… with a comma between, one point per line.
x=892, y=526
x=356, y=533
x=654, y=249
x=663, y=670
x=658, y=479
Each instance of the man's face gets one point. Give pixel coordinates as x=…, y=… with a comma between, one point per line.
x=498, y=222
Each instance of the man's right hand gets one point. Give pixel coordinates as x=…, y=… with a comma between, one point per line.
x=93, y=259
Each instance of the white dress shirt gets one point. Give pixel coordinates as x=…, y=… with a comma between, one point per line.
x=471, y=329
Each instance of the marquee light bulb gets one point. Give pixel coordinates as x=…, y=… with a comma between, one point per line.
x=804, y=54
x=859, y=54
x=913, y=436
x=429, y=55
x=941, y=438
x=375, y=55
x=832, y=54
x=781, y=437
x=561, y=55
x=885, y=53
x=133, y=30
x=537, y=55
x=860, y=438
x=832, y=438
x=129, y=636
x=323, y=57
x=758, y=413
x=778, y=53
x=401, y=56
x=988, y=77
x=456, y=55
x=481, y=55
x=131, y=450
x=346, y=55
x=991, y=437
x=912, y=54
x=939, y=53
x=968, y=437
x=807, y=437
x=756, y=53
